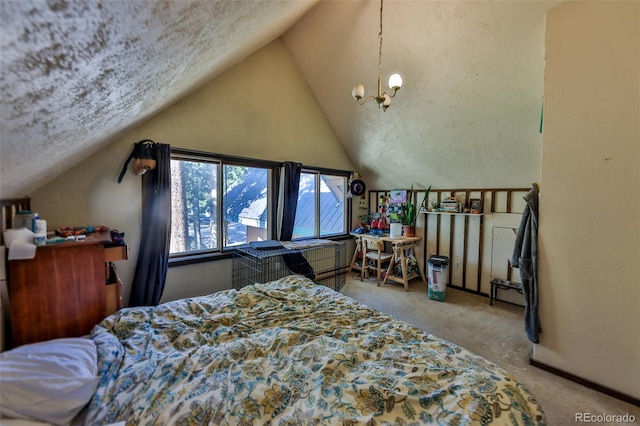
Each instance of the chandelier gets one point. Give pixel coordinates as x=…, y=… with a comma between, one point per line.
x=395, y=81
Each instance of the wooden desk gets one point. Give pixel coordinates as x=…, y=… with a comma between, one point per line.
x=402, y=247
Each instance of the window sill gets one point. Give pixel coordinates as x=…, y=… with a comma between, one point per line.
x=189, y=259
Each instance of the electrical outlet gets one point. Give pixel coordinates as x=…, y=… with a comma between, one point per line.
x=457, y=264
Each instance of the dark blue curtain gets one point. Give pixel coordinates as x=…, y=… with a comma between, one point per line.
x=153, y=256
x=296, y=262
x=290, y=199
x=525, y=257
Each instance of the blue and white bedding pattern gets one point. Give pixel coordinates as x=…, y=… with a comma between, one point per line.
x=291, y=352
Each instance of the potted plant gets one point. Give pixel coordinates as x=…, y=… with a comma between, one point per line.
x=409, y=213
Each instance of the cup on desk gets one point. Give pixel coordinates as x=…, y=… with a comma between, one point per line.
x=396, y=230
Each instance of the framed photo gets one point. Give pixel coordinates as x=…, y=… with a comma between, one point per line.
x=398, y=196
x=475, y=205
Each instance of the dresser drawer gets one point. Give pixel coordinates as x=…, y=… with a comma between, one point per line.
x=112, y=254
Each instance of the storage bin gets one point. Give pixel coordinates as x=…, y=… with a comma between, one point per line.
x=438, y=277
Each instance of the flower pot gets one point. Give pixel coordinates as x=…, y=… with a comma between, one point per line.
x=409, y=231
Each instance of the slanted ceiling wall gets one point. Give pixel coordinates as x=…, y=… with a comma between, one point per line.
x=261, y=108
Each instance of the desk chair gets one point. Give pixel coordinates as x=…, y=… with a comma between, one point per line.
x=374, y=257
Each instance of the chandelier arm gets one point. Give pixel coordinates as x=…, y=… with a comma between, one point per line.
x=391, y=95
x=363, y=101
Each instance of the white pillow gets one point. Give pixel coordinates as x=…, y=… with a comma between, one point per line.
x=48, y=381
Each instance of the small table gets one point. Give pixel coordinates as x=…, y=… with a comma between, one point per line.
x=402, y=246
x=498, y=283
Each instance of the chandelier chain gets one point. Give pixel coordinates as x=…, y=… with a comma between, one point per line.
x=383, y=99
x=380, y=50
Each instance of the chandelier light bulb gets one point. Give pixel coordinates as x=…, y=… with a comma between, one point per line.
x=395, y=81
x=357, y=92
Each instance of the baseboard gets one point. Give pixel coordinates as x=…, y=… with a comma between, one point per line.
x=480, y=293
x=468, y=290
x=588, y=383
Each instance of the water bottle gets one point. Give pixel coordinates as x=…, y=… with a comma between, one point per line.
x=33, y=222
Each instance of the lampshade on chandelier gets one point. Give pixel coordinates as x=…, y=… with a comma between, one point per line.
x=395, y=81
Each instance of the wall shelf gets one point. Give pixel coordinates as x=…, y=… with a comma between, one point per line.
x=451, y=214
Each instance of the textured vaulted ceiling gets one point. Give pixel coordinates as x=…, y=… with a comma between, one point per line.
x=76, y=73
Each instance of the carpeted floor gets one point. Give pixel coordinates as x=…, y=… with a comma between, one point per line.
x=494, y=332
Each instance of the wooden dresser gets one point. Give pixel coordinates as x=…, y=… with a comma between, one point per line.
x=62, y=292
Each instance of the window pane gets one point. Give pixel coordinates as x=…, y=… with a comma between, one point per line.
x=193, y=206
x=332, y=205
x=305, y=223
x=245, y=207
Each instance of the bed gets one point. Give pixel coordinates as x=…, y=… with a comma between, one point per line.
x=290, y=352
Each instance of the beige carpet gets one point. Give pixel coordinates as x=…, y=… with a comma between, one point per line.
x=494, y=332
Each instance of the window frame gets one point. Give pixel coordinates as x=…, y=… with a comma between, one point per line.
x=319, y=171
x=272, y=202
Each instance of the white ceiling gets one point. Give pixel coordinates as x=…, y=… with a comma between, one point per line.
x=75, y=74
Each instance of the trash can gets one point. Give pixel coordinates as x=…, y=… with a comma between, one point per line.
x=438, y=276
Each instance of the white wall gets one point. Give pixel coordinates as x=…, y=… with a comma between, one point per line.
x=261, y=108
x=590, y=194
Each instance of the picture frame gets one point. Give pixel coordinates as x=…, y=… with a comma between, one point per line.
x=398, y=196
x=475, y=205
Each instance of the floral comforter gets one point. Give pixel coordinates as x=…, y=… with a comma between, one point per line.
x=291, y=352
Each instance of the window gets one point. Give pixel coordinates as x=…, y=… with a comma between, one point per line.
x=322, y=205
x=218, y=202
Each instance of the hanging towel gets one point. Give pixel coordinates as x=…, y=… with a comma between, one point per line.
x=525, y=257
